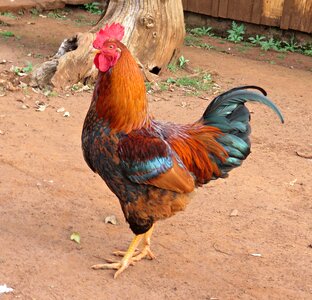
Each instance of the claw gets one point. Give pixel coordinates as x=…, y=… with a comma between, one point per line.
x=123, y=253
x=114, y=266
x=131, y=256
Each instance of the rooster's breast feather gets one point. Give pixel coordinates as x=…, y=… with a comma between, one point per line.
x=146, y=158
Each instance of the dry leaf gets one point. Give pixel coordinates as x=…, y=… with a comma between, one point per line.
x=75, y=236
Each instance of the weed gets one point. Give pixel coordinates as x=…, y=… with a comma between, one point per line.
x=82, y=20
x=24, y=70
x=38, y=55
x=94, y=8
x=236, y=33
x=269, y=44
x=307, y=52
x=257, y=39
x=243, y=49
x=163, y=86
x=198, y=83
x=148, y=86
x=7, y=33
x=281, y=56
x=182, y=61
x=206, y=46
x=8, y=14
x=28, y=68
x=292, y=46
x=190, y=40
x=59, y=15
x=34, y=12
x=172, y=67
x=201, y=31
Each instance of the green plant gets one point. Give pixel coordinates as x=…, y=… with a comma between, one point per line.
x=28, y=68
x=94, y=8
x=190, y=40
x=163, y=86
x=57, y=15
x=292, y=46
x=236, y=33
x=206, y=46
x=172, y=67
x=182, y=61
x=281, y=56
x=199, y=83
x=307, y=52
x=34, y=12
x=24, y=70
x=269, y=44
x=257, y=39
x=7, y=33
x=148, y=86
x=201, y=31
x=8, y=14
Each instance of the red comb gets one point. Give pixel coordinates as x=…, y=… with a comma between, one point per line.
x=115, y=31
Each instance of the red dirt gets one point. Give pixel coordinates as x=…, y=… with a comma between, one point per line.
x=47, y=192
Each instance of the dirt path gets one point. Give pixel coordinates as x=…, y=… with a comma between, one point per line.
x=47, y=192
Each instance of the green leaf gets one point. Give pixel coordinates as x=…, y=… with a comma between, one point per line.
x=75, y=236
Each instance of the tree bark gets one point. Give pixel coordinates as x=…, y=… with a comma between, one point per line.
x=154, y=31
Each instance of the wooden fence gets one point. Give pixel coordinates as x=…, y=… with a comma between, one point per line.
x=286, y=14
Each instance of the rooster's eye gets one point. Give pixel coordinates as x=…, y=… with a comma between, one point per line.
x=111, y=47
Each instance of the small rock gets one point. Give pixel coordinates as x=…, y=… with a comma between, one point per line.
x=24, y=106
x=61, y=109
x=1, y=132
x=5, y=289
x=111, y=219
x=234, y=213
x=292, y=183
x=66, y=114
x=41, y=106
x=256, y=254
x=3, y=61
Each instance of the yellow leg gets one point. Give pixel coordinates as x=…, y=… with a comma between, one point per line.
x=145, y=251
x=126, y=260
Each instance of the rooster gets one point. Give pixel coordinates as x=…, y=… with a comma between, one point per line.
x=152, y=166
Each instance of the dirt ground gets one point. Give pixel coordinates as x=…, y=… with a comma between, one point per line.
x=47, y=191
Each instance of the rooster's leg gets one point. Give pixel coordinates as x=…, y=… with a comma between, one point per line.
x=145, y=251
x=126, y=260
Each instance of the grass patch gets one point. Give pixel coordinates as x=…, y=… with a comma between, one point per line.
x=8, y=14
x=197, y=84
x=94, y=8
x=57, y=14
x=7, y=33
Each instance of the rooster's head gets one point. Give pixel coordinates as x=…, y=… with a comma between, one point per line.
x=107, y=45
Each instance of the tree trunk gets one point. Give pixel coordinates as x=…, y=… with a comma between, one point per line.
x=154, y=31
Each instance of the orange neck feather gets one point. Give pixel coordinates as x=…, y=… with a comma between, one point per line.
x=122, y=95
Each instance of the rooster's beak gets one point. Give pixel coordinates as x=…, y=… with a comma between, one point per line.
x=95, y=51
